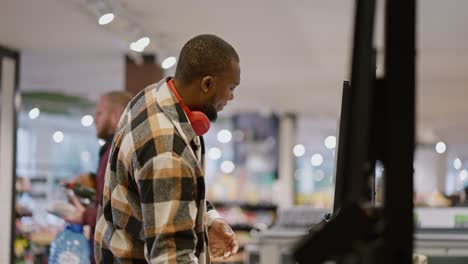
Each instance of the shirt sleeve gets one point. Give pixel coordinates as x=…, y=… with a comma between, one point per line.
x=211, y=216
x=169, y=209
x=90, y=215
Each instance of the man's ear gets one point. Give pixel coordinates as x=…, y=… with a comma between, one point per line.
x=207, y=84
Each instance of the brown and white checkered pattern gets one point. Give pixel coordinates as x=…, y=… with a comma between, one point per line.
x=153, y=208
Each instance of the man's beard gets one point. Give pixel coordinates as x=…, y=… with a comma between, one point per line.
x=104, y=133
x=210, y=112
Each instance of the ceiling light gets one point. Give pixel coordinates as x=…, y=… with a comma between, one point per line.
x=136, y=47
x=463, y=175
x=144, y=41
x=316, y=160
x=87, y=120
x=330, y=142
x=34, y=113
x=106, y=19
x=214, y=153
x=299, y=150
x=440, y=147
x=140, y=44
x=227, y=166
x=224, y=136
x=457, y=163
x=58, y=136
x=168, y=62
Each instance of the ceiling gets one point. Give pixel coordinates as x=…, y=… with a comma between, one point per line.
x=294, y=54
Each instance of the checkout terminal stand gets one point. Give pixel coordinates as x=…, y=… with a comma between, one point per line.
x=273, y=245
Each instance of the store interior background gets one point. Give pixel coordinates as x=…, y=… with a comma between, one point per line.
x=273, y=146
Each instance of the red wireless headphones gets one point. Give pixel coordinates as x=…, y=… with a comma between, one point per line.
x=199, y=121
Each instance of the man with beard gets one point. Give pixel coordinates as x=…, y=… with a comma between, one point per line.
x=153, y=208
x=108, y=111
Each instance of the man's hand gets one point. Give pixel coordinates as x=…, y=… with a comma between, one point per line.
x=222, y=240
x=77, y=216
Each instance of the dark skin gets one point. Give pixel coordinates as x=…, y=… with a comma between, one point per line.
x=210, y=94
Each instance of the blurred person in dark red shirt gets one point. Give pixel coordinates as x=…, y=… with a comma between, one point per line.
x=108, y=111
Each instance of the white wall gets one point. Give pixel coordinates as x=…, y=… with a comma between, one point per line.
x=86, y=75
x=7, y=119
x=429, y=170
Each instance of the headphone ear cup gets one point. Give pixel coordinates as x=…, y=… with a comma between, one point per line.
x=200, y=122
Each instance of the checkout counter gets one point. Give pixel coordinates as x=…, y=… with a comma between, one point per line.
x=272, y=246
x=441, y=234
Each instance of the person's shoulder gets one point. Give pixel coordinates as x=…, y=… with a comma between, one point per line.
x=143, y=104
x=140, y=98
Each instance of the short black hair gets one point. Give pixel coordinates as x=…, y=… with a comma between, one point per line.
x=204, y=55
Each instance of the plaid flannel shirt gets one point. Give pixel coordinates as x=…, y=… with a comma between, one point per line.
x=153, y=207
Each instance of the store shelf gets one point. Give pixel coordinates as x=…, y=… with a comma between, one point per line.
x=246, y=206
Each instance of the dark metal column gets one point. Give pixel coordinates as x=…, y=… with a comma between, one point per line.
x=399, y=129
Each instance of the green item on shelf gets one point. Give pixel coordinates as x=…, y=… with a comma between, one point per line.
x=461, y=220
x=81, y=190
x=416, y=219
